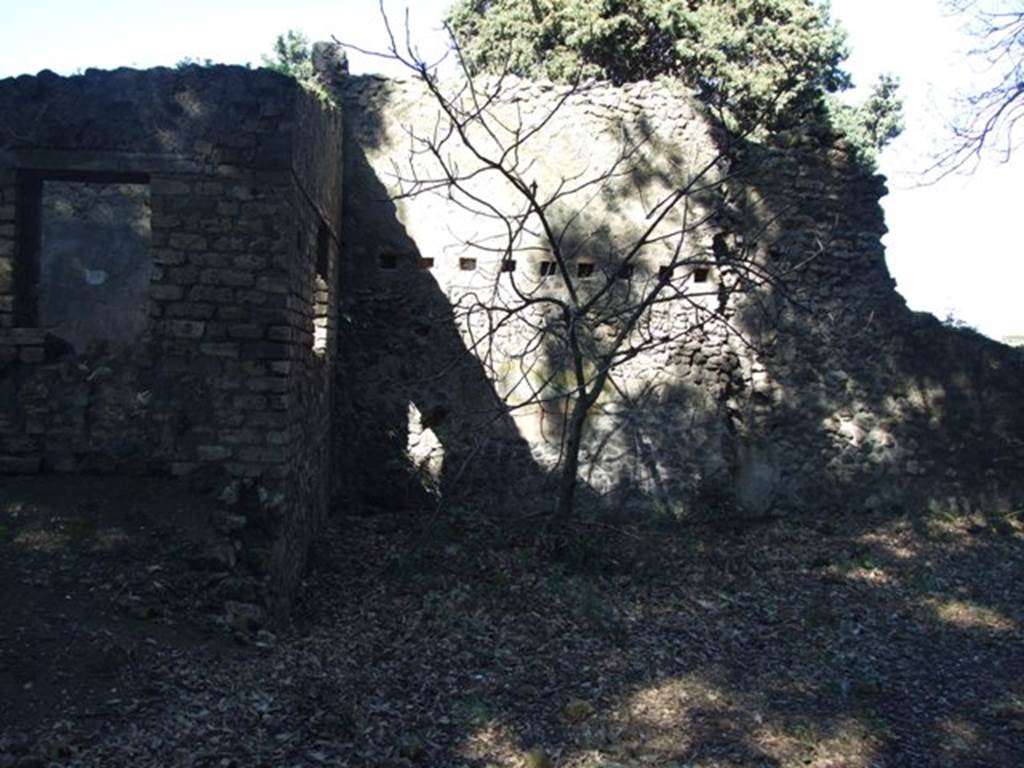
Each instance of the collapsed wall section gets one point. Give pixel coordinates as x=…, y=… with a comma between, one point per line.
x=158, y=290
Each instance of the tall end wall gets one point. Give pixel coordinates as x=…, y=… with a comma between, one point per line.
x=818, y=390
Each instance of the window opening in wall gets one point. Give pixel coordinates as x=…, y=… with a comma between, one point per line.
x=720, y=246
x=323, y=253
x=700, y=274
x=467, y=264
x=548, y=268
x=321, y=290
x=585, y=269
x=388, y=261
x=85, y=258
x=625, y=272
x=426, y=262
x=665, y=274
x=508, y=265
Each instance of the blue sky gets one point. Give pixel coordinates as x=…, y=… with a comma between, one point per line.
x=952, y=247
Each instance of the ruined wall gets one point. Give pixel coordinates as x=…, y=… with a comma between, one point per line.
x=204, y=274
x=223, y=377
x=821, y=391
x=305, y=438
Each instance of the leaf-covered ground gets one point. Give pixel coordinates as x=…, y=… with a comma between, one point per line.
x=450, y=640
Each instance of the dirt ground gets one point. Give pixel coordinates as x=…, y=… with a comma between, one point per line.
x=452, y=640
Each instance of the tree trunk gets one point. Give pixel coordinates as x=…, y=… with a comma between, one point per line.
x=571, y=462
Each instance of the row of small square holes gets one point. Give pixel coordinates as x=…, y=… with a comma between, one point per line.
x=584, y=269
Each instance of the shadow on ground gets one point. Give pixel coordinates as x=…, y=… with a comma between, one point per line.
x=95, y=574
x=450, y=640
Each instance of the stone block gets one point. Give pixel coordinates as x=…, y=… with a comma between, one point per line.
x=219, y=349
x=20, y=465
x=249, y=402
x=233, y=314
x=249, y=261
x=213, y=294
x=281, y=438
x=164, y=186
x=190, y=310
x=239, y=436
x=281, y=333
x=232, y=277
x=188, y=242
x=272, y=385
x=32, y=355
x=210, y=260
x=177, y=348
x=264, y=454
x=166, y=292
x=251, y=297
x=245, y=331
x=182, y=329
x=265, y=350
x=168, y=257
x=245, y=469
x=214, y=452
x=23, y=336
x=183, y=275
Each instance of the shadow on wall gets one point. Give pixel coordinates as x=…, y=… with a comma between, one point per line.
x=404, y=368
x=839, y=397
x=825, y=393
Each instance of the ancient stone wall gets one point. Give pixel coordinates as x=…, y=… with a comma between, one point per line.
x=305, y=439
x=204, y=274
x=219, y=380
x=815, y=390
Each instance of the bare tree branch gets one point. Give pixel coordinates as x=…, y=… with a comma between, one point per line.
x=987, y=118
x=594, y=305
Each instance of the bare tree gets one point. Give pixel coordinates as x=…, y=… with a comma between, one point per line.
x=987, y=117
x=554, y=336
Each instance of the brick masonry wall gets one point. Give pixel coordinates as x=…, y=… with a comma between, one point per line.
x=310, y=332
x=223, y=382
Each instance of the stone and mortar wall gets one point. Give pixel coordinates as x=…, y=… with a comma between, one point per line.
x=305, y=440
x=223, y=378
x=824, y=392
x=259, y=340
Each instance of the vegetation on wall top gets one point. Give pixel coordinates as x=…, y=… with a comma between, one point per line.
x=766, y=66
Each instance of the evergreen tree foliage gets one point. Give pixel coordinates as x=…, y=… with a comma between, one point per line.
x=291, y=56
x=765, y=64
x=870, y=126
